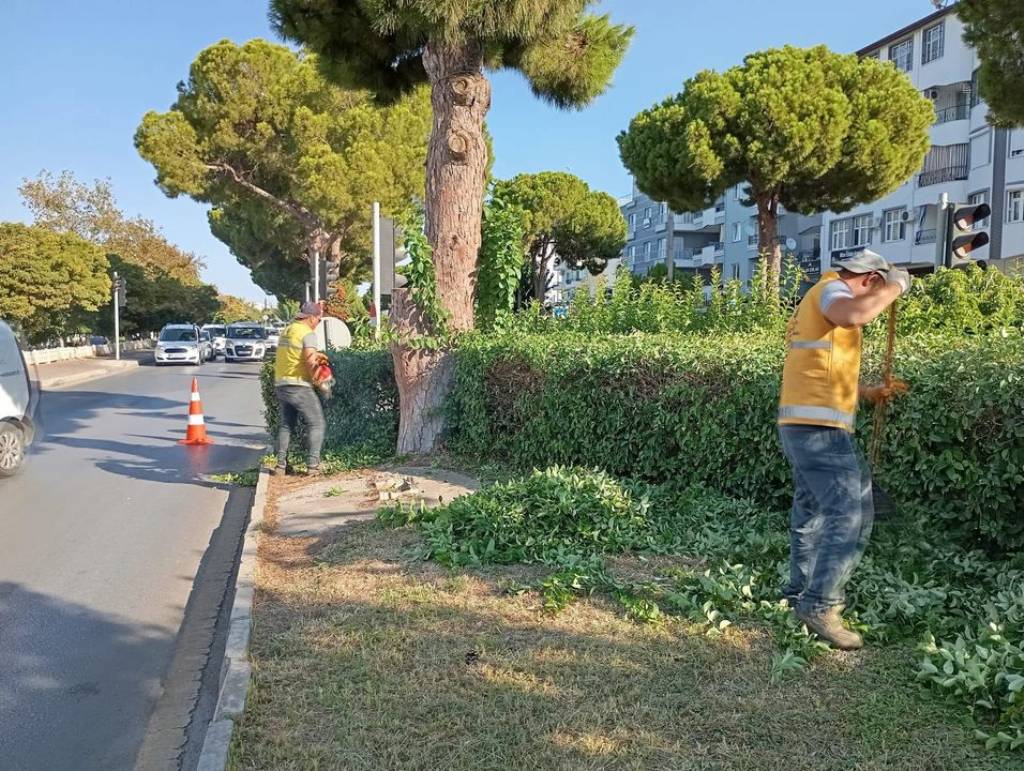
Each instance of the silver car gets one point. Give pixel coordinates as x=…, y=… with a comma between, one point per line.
x=179, y=344
x=18, y=398
x=218, y=334
x=245, y=342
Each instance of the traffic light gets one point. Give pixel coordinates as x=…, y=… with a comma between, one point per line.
x=962, y=237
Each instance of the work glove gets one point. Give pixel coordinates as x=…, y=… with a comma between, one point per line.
x=900, y=277
x=883, y=393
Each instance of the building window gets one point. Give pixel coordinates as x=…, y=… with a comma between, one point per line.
x=902, y=54
x=975, y=92
x=1015, y=206
x=647, y=250
x=981, y=147
x=632, y=221
x=974, y=199
x=663, y=212
x=737, y=232
x=933, y=42
x=1016, y=143
x=873, y=55
x=862, y=230
x=841, y=234
x=647, y=215
x=736, y=271
x=632, y=252
x=893, y=226
x=739, y=192
x=662, y=252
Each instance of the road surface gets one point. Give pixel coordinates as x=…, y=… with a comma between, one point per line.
x=101, y=537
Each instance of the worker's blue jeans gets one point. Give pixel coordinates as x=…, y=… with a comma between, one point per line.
x=295, y=400
x=830, y=523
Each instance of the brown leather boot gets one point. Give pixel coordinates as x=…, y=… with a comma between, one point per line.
x=828, y=625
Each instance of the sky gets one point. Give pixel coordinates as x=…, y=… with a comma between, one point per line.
x=76, y=78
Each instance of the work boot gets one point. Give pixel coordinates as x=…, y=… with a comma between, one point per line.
x=279, y=471
x=828, y=625
x=313, y=471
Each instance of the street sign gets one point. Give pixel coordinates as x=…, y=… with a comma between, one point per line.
x=392, y=252
x=121, y=288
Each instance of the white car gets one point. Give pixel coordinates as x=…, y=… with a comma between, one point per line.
x=18, y=398
x=179, y=344
x=245, y=342
x=217, y=336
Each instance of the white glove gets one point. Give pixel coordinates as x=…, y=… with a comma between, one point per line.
x=900, y=277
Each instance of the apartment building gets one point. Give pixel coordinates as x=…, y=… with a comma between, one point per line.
x=570, y=281
x=654, y=231
x=970, y=161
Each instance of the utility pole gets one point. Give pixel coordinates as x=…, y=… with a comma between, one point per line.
x=316, y=275
x=376, y=269
x=117, y=317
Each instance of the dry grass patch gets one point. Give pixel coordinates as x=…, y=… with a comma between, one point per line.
x=366, y=657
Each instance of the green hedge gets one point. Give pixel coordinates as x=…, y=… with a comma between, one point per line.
x=362, y=409
x=701, y=409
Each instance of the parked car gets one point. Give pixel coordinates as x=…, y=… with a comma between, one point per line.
x=206, y=346
x=245, y=341
x=18, y=398
x=98, y=340
x=178, y=343
x=218, y=334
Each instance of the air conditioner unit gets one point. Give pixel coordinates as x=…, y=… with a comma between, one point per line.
x=647, y=222
x=932, y=93
x=906, y=216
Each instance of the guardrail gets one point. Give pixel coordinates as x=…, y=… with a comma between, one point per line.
x=926, y=236
x=937, y=176
x=956, y=112
x=67, y=353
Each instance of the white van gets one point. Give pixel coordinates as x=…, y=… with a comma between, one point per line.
x=18, y=398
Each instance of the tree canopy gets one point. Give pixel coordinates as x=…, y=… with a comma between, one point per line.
x=234, y=309
x=163, y=281
x=564, y=220
x=996, y=30
x=289, y=161
x=566, y=54
x=809, y=129
x=49, y=282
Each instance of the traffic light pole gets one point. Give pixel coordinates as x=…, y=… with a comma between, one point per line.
x=117, y=317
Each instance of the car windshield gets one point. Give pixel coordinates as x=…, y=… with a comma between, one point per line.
x=215, y=331
x=178, y=336
x=245, y=333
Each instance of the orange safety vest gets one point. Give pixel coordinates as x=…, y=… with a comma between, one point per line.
x=822, y=370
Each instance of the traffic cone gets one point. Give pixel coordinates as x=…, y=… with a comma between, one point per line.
x=196, y=433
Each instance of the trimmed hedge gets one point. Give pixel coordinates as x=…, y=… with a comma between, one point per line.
x=363, y=408
x=701, y=409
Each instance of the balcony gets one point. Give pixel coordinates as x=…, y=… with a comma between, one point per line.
x=938, y=176
x=926, y=236
x=948, y=114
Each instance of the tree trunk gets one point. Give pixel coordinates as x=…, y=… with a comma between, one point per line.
x=456, y=169
x=768, y=239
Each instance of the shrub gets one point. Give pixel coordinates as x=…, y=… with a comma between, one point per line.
x=363, y=408
x=701, y=409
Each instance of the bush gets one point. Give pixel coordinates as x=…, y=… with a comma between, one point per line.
x=701, y=409
x=363, y=408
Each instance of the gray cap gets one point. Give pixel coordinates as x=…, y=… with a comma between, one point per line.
x=310, y=310
x=864, y=261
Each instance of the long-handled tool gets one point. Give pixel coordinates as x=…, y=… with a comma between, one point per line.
x=883, y=503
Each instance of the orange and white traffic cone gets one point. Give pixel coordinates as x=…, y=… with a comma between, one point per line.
x=196, y=433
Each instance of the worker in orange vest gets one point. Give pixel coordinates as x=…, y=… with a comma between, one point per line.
x=832, y=514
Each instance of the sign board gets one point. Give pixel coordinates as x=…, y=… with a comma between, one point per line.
x=392, y=251
x=121, y=287
x=332, y=334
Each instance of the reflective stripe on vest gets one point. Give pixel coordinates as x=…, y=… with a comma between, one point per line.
x=824, y=345
x=824, y=414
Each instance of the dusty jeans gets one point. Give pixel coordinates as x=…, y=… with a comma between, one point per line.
x=295, y=400
x=830, y=523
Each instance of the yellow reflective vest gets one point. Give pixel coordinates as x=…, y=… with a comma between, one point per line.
x=289, y=366
x=822, y=370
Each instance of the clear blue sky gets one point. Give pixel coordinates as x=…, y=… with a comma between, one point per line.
x=77, y=77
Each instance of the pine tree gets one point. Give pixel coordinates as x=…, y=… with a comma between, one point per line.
x=568, y=56
x=809, y=129
x=996, y=30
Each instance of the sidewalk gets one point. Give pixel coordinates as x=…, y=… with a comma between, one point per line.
x=67, y=373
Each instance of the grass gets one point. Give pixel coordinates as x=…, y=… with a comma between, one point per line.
x=366, y=657
x=245, y=478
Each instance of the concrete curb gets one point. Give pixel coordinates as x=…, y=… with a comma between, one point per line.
x=109, y=368
x=235, y=669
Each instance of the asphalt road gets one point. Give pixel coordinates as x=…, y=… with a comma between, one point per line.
x=101, y=536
